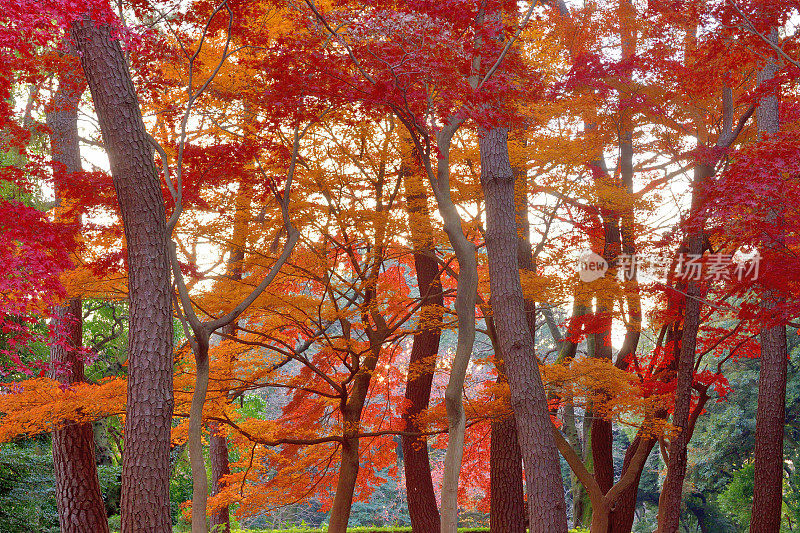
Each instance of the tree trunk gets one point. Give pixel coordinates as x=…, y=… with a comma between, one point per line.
x=351, y=426
x=145, y=470
x=466, y=299
x=345, y=486
x=351, y=409
x=195, y=435
x=218, y=451
x=78, y=496
x=669, y=504
x=424, y=350
x=507, y=500
x=546, y=505
x=770, y=415
x=507, y=497
x=623, y=514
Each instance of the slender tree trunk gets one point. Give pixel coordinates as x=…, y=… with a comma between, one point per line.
x=623, y=514
x=424, y=350
x=346, y=484
x=218, y=442
x=145, y=471
x=78, y=496
x=218, y=451
x=669, y=504
x=602, y=439
x=770, y=415
x=466, y=299
x=195, y=434
x=546, y=504
x=351, y=409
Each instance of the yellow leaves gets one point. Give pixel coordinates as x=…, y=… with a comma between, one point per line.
x=536, y=287
x=609, y=390
x=42, y=404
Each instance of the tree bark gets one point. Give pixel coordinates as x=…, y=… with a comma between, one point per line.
x=507, y=500
x=466, y=299
x=424, y=350
x=195, y=433
x=507, y=497
x=78, y=496
x=346, y=484
x=546, y=505
x=145, y=471
x=218, y=451
x=770, y=414
x=351, y=409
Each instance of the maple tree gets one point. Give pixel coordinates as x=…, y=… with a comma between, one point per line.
x=337, y=206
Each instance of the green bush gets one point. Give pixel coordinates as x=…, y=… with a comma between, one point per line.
x=27, y=488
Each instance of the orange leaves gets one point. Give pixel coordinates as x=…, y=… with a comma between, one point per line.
x=609, y=390
x=41, y=405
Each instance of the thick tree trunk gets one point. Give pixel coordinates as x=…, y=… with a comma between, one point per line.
x=507, y=497
x=145, y=471
x=78, y=496
x=424, y=350
x=770, y=415
x=507, y=500
x=546, y=504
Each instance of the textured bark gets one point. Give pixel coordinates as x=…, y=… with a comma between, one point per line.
x=218, y=455
x=770, y=414
x=424, y=350
x=507, y=499
x=547, y=508
x=80, y=502
x=78, y=496
x=145, y=470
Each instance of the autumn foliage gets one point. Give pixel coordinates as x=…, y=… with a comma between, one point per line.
x=290, y=134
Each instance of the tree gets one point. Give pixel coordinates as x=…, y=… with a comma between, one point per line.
x=80, y=502
x=145, y=483
x=425, y=346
